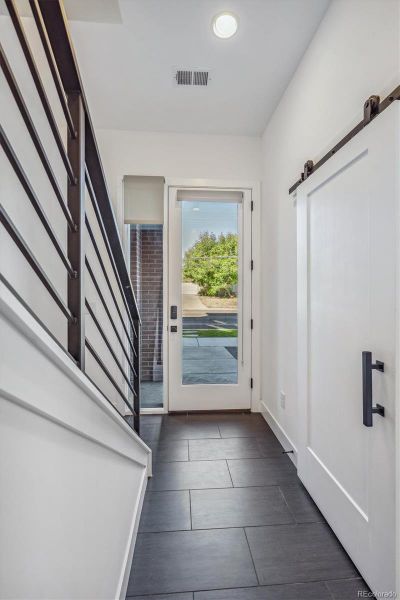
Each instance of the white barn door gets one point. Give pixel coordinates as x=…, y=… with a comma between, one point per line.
x=347, y=221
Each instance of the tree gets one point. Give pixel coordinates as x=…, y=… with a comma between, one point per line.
x=212, y=263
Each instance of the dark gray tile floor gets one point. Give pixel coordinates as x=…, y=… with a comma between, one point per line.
x=225, y=517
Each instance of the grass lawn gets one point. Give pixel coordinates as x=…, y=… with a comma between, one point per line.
x=207, y=333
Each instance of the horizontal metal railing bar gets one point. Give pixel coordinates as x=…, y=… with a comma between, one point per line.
x=107, y=280
x=107, y=343
x=23, y=109
x=104, y=303
x=107, y=373
x=26, y=252
x=93, y=199
x=39, y=87
x=41, y=27
x=98, y=388
x=19, y=171
x=57, y=28
x=34, y=315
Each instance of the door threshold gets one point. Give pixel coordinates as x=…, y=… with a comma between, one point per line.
x=239, y=411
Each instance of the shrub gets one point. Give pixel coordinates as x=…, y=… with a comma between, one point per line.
x=212, y=263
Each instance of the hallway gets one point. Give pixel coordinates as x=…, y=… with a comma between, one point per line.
x=226, y=518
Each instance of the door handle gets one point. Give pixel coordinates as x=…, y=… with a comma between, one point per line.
x=367, y=368
x=174, y=312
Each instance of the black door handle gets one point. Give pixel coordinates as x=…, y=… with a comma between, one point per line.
x=367, y=368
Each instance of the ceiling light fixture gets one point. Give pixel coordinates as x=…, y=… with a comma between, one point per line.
x=225, y=25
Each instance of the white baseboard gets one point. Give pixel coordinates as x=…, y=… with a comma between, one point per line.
x=280, y=433
x=130, y=547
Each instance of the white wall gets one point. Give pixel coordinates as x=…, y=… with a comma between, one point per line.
x=72, y=473
x=176, y=155
x=355, y=53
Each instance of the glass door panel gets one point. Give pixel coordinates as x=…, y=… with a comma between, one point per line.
x=210, y=285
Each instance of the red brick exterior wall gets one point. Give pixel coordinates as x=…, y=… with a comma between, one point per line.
x=146, y=275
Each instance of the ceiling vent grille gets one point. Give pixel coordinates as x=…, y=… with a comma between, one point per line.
x=200, y=77
x=184, y=77
x=192, y=77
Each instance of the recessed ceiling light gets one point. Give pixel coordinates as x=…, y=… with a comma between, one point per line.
x=225, y=25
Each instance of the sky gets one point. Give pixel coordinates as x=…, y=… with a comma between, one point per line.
x=214, y=217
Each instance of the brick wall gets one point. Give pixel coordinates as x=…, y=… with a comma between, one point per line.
x=146, y=275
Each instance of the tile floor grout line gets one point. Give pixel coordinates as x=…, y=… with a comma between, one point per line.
x=251, y=555
x=228, y=487
x=190, y=510
x=222, y=458
x=287, y=504
x=229, y=471
x=261, y=457
x=188, y=452
x=329, y=591
x=222, y=528
x=236, y=527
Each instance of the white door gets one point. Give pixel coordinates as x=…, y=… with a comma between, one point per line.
x=347, y=217
x=209, y=289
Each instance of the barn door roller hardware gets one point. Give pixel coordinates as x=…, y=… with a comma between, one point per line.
x=372, y=108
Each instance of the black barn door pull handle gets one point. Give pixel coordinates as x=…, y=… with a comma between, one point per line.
x=367, y=368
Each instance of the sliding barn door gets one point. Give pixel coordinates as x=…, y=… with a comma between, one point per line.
x=347, y=215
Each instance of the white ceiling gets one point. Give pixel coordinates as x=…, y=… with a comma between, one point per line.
x=127, y=66
x=100, y=11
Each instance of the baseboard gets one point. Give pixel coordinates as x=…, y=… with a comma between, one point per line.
x=130, y=547
x=280, y=433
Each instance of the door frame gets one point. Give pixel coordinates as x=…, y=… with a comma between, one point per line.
x=254, y=188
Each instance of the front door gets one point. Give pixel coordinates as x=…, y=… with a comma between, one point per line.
x=347, y=215
x=209, y=326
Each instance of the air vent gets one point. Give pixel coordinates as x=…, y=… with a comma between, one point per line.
x=192, y=77
x=200, y=77
x=184, y=77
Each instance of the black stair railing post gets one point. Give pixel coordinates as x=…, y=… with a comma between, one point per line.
x=76, y=242
x=136, y=378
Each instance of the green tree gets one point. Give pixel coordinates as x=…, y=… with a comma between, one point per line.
x=212, y=263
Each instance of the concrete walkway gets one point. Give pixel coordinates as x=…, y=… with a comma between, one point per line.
x=207, y=360
x=192, y=306
x=211, y=342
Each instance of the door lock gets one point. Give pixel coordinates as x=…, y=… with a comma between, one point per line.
x=174, y=328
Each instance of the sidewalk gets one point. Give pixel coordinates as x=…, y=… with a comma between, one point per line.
x=193, y=306
x=209, y=342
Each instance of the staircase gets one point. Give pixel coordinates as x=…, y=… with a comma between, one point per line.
x=73, y=469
